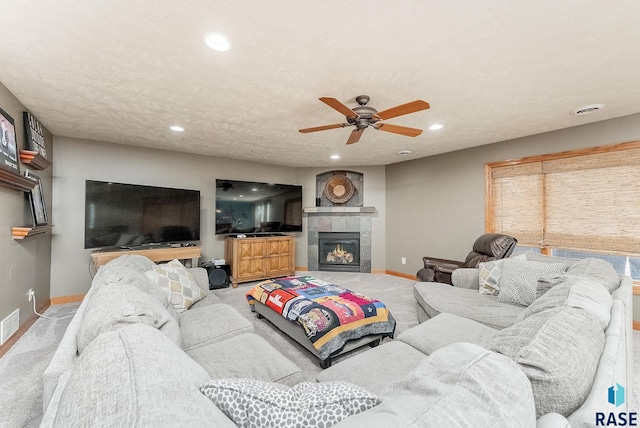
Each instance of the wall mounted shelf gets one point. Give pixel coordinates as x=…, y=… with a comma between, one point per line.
x=24, y=232
x=16, y=181
x=34, y=159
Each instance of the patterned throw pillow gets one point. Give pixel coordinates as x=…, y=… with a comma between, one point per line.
x=489, y=273
x=519, y=280
x=178, y=284
x=255, y=403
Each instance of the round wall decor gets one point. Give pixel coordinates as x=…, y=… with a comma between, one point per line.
x=339, y=189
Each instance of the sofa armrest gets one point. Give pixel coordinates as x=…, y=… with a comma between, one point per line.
x=466, y=278
x=552, y=420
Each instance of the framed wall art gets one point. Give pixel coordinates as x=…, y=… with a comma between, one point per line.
x=34, y=133
x=38, y=206
x=8, y=149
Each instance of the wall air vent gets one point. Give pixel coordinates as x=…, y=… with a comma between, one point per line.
x=588, y=109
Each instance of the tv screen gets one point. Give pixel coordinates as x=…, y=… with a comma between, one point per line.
x=131, y=215
x=252, y=207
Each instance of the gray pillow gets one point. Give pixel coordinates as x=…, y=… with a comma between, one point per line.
x=582, y=293
x=518, y=280
x=115, y=305
x=259, y=404
x=559, y=350
x=598, y=270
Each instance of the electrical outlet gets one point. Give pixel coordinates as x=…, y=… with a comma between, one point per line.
x=32, y=294
x=404, y=260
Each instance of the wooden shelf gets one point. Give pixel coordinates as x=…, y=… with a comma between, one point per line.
x=24, y=232
x=155, y=254
x=16, y=181
x=34, y=159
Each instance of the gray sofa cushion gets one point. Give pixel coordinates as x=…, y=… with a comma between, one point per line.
x=115, y=305
x=133, y=377
x=461, y=385
x=594, y=269
x=249, y=354
x=581, y=293
x=435, y=298
x=559, y=350
x=211, y=323
x=374, y=369
x=443, y=330
x=519, y=280
x=252, y=403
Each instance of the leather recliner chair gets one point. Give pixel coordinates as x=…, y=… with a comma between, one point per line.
x=490, y=246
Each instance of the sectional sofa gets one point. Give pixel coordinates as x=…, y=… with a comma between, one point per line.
x=130, y=358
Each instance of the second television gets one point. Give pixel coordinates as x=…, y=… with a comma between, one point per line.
x=250, y=207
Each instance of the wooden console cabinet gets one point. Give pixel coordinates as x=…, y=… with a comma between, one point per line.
x=260, y=257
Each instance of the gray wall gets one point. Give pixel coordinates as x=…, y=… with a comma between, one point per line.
x=26, y=263
x=435, y=205
x=79, y=160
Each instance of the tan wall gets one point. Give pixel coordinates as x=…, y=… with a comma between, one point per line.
x=78, y=160
x=435, y=205
x=23, y=264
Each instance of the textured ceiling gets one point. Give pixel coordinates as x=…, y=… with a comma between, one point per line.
x=492, y=70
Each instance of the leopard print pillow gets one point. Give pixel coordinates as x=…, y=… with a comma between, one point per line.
x=255, y=403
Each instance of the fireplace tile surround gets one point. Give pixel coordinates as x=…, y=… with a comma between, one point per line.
x=339, y=219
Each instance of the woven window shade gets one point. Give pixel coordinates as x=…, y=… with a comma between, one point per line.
x=583, y=202
x=517, y=202
x=597, y=209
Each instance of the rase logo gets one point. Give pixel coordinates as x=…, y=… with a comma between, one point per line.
x=615, y=396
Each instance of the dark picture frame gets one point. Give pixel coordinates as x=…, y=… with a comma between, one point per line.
x=38, y=206
x=8, y=146
x=34, y=134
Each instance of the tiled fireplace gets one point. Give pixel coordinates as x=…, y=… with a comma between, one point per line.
x=339, y=251
x=354, y=221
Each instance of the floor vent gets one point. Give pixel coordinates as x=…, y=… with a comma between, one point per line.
x=9, y=326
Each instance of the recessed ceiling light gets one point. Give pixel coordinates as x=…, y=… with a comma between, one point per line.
x=217, y=42
x=588, y=109
x=335, y=156
x=435, y=127
x=176, y=128
x=404, y=152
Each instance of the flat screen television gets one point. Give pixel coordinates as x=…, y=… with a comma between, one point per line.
x=132, y=215
x=249, y=207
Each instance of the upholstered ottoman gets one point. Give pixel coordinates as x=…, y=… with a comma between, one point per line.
x=246, y=355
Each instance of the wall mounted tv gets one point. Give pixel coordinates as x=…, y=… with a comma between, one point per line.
x=131, y=215
x=250, y=207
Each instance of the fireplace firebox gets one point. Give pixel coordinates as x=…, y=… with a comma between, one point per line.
x=339, y=251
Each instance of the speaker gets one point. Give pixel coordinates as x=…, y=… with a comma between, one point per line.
x=219, y=275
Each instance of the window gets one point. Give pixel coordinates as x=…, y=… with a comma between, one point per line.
x=586, y=202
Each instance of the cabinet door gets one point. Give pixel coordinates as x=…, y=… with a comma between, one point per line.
x=280, y=257
x=251, y=258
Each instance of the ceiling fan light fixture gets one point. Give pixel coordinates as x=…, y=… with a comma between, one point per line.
x=176, y=128
x=435, y=127
x=588, y=109
x=335, y=157
x=217, y=42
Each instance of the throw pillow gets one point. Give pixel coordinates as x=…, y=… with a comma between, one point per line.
x=178, y=284
x=256, y=403
x=489, y=273
x=519, y=280
x=559, y=350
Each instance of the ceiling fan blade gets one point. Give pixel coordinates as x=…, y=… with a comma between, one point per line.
x=407, y=108
x=337, y=105
x=323, y=128
x=355, y=136
x=402, y=130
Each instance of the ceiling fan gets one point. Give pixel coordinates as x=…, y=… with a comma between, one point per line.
x=364, y=116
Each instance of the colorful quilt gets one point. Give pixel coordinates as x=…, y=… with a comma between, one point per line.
x=329, y=314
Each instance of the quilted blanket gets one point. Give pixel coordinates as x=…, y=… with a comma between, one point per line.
x=329, y=314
